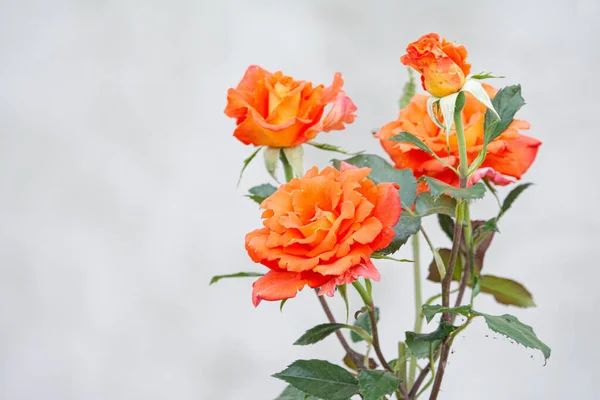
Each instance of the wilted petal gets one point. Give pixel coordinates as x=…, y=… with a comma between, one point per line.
x=491, y=175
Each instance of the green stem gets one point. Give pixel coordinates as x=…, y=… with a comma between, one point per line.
x=287, y=168
x=463, y=167
x=418, y=302
x=354, y=356
x=363, y=293
x=461, y=328
x=401, y=364
x=368, y=300
x=436, y=255
x=469, y=265
x=431, y=362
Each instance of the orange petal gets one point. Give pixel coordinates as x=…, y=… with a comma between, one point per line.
x=294, y=263
x=276, y=285
x=368, y=231
x=342, y=264
x=364, y=210
x=256, y=244
x=341, y=113
x=388, y=206
x=516, y=159
x=383, y=240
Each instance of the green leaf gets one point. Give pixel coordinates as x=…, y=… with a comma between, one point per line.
x=291, y=393
x=246, y=162
x=448, y=106
x=281, y=304
x=506, y=291
x=427, y=205
x=217, y=278
x=364, y=322
x=381, y=172
x=271, y=160
x=439, y=188
x=318, y=333
x=430, y=311
x=447, y=225
x=409, y=89
x=484, y=245
x=476, y=286
x=476, y=89
x=419, y=343
x=512, y=196
x=375, y=384
x=406, y=137
x=320, y=378
x=407, y=226
x=378, y=256
x=485, y=75
x=512, y=328
x=507, y=102
x=295, y=157
x=330, y=147
x=261, y=192
x=488, y=226
x=434, y=274
x=461, y=99
x=343, y=289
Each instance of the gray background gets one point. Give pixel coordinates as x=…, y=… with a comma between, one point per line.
x=118, y=173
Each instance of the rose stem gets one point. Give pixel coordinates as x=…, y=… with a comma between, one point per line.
x=418, y=302
x=369, y=303
x=351, y=353
x=468, y=231
x=458, y=228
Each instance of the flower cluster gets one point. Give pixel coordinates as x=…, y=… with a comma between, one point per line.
x=320, y=230
x=324, y=228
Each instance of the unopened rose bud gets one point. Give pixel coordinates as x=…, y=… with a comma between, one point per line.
x=442, y=64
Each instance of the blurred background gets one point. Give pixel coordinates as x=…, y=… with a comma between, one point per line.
x=118, y=172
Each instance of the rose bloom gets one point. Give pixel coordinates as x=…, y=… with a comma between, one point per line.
x=275, y=110
x=442, y=64
x=510, y=154
x=320, y=230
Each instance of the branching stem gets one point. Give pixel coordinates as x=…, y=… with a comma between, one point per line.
x=354, y=356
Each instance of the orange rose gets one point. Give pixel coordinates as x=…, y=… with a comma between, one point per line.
x=320, y=231
x=442, y=64
x=509, y=154
x=277, y=111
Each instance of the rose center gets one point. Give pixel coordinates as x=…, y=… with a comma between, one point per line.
x=276, y=95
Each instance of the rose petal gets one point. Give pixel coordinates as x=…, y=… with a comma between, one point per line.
x=388, y=207
x=490, y=174
x=368, y=231
x=276, y=285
